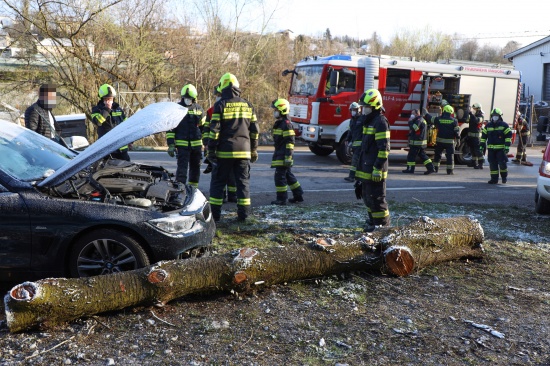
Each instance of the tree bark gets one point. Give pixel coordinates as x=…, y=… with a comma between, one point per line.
x=395, y=250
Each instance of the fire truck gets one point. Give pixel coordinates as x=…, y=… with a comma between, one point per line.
x=322, y=89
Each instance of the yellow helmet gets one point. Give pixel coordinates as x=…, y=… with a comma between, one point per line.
x=281, y=105
x=189, y=91
x=372, y=98
x=226, y=80
x=106, y=90
x=496, y=112
x=448, y=109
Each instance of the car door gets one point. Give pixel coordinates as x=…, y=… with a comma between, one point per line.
x=15, y=233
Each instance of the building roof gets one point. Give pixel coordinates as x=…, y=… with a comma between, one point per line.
x=521, y=50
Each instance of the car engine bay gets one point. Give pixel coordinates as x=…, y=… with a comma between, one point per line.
x=122, y=182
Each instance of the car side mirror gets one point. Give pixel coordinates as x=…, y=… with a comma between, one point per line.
x=78, y=142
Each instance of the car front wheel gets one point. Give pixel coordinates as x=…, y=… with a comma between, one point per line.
x=106, y=251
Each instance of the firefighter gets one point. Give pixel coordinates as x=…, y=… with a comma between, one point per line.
x=372, y=168
x=108, y=114
x=185, y=141
x=232, y=146
x=230, y=191
x=417, y=143
x=523, y=128
x=497, y=137
x=475, y=125
x=355, y=135
x=283, y=140
x=447, y=133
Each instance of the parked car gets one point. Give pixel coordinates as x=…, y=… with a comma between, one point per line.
x=64, y=213
x=542, y=194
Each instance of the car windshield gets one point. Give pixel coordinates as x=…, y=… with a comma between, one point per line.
x=306, y=80
x=29, y=156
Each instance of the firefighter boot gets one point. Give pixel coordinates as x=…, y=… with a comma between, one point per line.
x=280, y=200
x=450, y=172
x=409, y=170
x=351, y=177
x=296, y=199
x=430, y=168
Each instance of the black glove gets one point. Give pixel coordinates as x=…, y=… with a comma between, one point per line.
x=211, y=156
x=358, y=189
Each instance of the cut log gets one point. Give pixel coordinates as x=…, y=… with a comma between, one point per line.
x=394, y=250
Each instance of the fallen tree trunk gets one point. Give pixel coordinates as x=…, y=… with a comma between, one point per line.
x=396, y=250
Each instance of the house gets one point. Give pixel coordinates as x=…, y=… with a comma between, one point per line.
x=533, y=61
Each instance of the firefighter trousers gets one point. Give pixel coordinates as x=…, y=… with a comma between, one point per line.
x=498, y=163
x=240, y=168
x=374, y=197
x=189, y=160
x=356, y=154
x=285, y=179
x=415, y=151
x=121, y=154
x=521, y=153
x=477, y=154
x=449, y=154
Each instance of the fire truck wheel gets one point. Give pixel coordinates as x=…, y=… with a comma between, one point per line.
x=321, y=150
x=343, y=152
x=463, y=155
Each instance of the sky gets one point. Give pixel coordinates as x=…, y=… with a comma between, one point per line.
x=489, y=21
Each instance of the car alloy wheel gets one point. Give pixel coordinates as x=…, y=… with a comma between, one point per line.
x=106, y=251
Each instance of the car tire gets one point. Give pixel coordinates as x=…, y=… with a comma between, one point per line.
x=542, y=205
x=320, y=150
x=106, y=251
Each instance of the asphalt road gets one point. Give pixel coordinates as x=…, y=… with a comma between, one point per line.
x=322, y=179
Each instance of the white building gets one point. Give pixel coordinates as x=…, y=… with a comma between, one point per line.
x=533, y=61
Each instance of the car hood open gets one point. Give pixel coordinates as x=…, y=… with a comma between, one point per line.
x=154, y=118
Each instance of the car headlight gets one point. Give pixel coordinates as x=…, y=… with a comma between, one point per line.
x=311, y=129
x=175, y=224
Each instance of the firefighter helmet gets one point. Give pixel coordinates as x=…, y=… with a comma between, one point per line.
x=106, y=90
x=189, y=91
x=496, y=112
x=476, y=106
x=354, y=105
x=281, y=105
x=448, y=109
x=226, y=80
x=372, y=98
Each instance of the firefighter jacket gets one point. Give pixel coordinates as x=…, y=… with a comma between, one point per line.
x=283, y=140
x=233, y=128
x=206, y=126
x=375, y=146
x=523, y=128
x=475, y=124
x=447, y=129
x=37, y=118
x=496, y=135
x=418, y=132
x=355, y=135
x=106, y=119
x=187, y=133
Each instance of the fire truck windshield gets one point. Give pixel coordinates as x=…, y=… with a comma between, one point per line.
x=306, y=81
